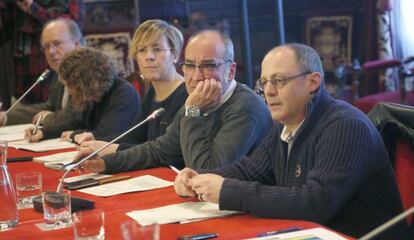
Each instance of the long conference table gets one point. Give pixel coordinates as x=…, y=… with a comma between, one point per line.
x=115, y=207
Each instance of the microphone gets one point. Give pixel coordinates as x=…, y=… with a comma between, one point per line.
x=41, y=78
x=157, y=113
x=382, y=228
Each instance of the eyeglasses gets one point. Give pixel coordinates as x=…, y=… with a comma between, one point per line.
x=55, y=44
x=278, y=82
x=205, y=68
x=157, y=51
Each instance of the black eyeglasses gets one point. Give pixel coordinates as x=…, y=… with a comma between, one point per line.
x=278, y=82
x=205, y=68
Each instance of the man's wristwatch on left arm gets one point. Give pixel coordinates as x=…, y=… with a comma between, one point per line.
x=193, y=111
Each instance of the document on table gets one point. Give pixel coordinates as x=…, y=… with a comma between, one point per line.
x=13, y=132
x=65, y=157
x=183, y=212
x=42, y=146
x=95, y=176
x=142, y=183
x=307, y=234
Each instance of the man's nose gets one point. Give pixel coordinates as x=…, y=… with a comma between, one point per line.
x=270, y=90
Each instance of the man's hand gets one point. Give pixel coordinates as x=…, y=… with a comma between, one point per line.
x=24, y=5
x=207, y=187
x=29, y=136
x=83, y=137
x=3, y=118
x=94, y=145
x=182, y=184
x=206, y=95
x=41, y=114
x=66, y=135
x=94, y=164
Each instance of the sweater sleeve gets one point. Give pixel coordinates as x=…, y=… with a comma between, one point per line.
x=163, y=151
x=339, y=157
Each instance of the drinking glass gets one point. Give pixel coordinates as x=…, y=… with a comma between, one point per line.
x=89, y=224
x=132, y=230
x=57, y=209
x=28, y=186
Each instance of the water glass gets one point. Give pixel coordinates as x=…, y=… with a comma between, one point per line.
x=57, y=209
x=132, y=230
x=28, y=186
x=89, y=224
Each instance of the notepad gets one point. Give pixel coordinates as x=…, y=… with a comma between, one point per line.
x=56, y=158
x=142, y=183
x=13, y=132
x=183, y=212
x=42, y=146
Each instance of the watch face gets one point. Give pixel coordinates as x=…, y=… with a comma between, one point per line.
x=193, y=111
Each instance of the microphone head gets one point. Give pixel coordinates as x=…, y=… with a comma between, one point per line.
x=157, y=113
x=44, y=75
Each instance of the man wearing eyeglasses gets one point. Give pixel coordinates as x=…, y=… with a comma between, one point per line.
x=220, y=123
x=59, y=37
x=323, y=161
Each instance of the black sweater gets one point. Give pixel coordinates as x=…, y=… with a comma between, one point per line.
x=337, y=174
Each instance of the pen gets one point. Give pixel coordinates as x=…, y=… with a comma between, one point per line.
x=198, y=236
x=20, y=159
x=175, y=169
x=286, y=230
x=37, y=125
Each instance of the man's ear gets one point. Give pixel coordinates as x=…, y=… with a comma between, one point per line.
x=232, y=72
x=314, y=81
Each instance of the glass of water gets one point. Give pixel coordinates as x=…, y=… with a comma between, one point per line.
x=89, y=224
x=57, y=209
x=28, y=186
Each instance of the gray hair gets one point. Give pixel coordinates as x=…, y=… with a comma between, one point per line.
x=73, y=28
x=227, y=42
x=307, y=58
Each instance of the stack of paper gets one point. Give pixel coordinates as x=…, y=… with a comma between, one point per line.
x=65, y=157
x=183, y=212
x=42, y=146
x=141, y=183
x=14, y=132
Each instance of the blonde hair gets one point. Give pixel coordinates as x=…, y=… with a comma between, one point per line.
x=150, y=30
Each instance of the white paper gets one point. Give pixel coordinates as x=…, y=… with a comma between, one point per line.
x=183, y=212
x=95, y=176
x=312, y=233
x=13, y=132
x=14, y=128
x=142, y=183
x=42, y=146
x=56, y=158
x=12, y=136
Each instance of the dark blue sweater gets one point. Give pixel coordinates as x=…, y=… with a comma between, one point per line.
x=337, y=174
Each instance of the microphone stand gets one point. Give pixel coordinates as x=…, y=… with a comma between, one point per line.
x=41, y=78
x=387, y=224
x=153, y=116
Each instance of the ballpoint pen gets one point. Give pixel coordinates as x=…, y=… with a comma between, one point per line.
x=37, y=125
x=286, y=230
x=174, y=169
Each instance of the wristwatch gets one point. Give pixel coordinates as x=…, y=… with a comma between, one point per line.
x=193, y=111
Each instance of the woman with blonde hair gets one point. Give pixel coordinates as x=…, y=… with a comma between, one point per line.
x=156, y=46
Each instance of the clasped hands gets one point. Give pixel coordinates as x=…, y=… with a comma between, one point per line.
x=206, y=187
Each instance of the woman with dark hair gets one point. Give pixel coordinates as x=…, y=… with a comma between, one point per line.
x=102, y=99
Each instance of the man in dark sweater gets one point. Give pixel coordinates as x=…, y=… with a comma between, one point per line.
x=323, y=162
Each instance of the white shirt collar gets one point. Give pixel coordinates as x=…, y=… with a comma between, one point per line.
x=289, y=133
